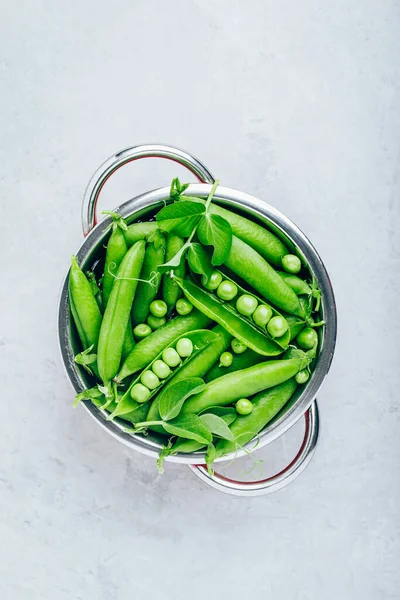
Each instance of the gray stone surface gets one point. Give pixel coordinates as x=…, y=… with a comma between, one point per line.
x=297, y=102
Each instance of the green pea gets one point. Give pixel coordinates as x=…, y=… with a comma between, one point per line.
x=213, y=282
x=140, y=393
x=226, y=359
x=161, y=369
x=277, y=326
x=302, y=376
x=156, y=322
x=171, y=357
x=291, y=263
x=183, y=306
x=141, y=331
x=262, y=315
x=307, y=338
x=227, y=290
x=244, y=406
x=246, y=305
x=184, y=347
x=150, y=380
x=158, y=308
x=237, y=346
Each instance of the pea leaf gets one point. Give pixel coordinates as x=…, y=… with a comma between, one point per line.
x=172, y=397
x=227, y=413
x=175, y=261
x=190, y=427
x=177, y=189
x=199, y=260
x=181, y=217
x=210, y=457
x=85, y=359
x=88, y=395
x=214, y=230
x=217, y=426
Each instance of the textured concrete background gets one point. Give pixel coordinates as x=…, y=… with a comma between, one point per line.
x=297, y=102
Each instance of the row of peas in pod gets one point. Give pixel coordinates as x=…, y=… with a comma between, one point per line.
x=200, y=327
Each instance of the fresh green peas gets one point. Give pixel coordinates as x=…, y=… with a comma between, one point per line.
x=150, y=380
x=302, y=376
x=237, y=346
x=307, y=338
x=277, y=326
x=213, y=281
x=183, y=306
x=161, y=369
x=156, y=322
x=262, y=315
x=171, y=357
x=184, y=347
x=158, y=308
x=291, y=263
x=227, y=290
x=140, y=393
x=142, y=330
x=244, y=406
x=226, y=359
x=246, y=305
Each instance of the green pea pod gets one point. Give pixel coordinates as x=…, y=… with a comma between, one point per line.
x=197, y=367
x=283, y=340
x=240, y=361
x=116, y=316
x=199, y=338
x=116, y=250
x=129, y=342
x=171, y=291
x=266, y=405
x=135, y=416
x=96, y=290
x=225, y=315
x=295, y=325
x=148, y=348
x=242, y=384
x=151, y=278
x=139, y=231
x=254, y=269
x=266, y=243
x=299, y=286
x=84, y=307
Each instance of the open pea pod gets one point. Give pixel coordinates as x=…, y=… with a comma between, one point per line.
x=200, y=339
x=223, y=313
x=283, y=340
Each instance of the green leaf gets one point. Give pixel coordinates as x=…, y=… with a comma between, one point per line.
x=227, y=413
x=164, y=452
x=214, y=230
x=85, y=359
x=172, y=397
x=175, y=261
x=180, y=218
x=199, y=260
x=189, y=426
x=217, y=426
x=177, y=188
x=210, y=457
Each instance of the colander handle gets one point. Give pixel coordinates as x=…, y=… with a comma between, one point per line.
x=104, y=172
x=276, y=482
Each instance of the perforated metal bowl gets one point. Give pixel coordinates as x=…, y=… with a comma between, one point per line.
x=304, y=401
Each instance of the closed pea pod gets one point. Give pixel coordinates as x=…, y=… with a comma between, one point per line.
x=84, y=307
x=116, y=250
x=170, y=290
x=298, y=285
x=253, y=268
x=258, y=237
x=240, y=361
x=148, y=348
x=231, y=387
x=150, y=278
x=139, y=231
x=266, y=405
x=116, y=316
